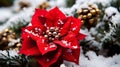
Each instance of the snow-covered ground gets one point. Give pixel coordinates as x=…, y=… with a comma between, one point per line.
x=92, y=60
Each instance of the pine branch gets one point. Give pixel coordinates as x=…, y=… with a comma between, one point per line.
x=16, y=61
x=17, y=27
x=116, y=3
x=70, y=3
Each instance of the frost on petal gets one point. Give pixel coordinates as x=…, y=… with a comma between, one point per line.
x=64, y=43
x=69, y=41
x=65, y=28
x=50, y=58
x=34, y=31
x=75, y=25
x=59, y=23
x=44, y=47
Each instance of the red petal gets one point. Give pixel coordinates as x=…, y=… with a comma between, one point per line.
x=58, y=62
x=81, y=36
x=34, y=31
x=58, y=23
x=36, y=18
x=49, y=23
x=50, y=58
x=69, y=41
x=44, y=47
x=41, y=17
x=75, y=25
x=65, y=28
x=56, y=14
x=28, y=46
x=71, y=55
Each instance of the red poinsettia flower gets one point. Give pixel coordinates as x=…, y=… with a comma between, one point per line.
x=52, y=37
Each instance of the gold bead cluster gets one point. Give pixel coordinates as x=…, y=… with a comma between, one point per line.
x=89, y=16
x=52, y=33
x=23, y=4
x=44, y=5
x=6, y=37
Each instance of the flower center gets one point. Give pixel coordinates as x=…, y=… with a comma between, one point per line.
x=52, y=33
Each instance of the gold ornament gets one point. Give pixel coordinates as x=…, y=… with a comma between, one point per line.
x=84, y=17
x=97, y=11
x=89, y=16
x=93, y=11
x=80, y=16
x=44, y=5
x=23, y=4
x=6, y=37
x=85, y=11
x=91, y=21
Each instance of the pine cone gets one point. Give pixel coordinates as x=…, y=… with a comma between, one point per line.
x=89, y=16
x=6, y=37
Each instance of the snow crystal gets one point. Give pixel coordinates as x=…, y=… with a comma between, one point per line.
x=75, y=47
x=66, y=43
x=60, y=22
x=51, y=46
x=74, y=28
x=48, y=60
x=46, y=48
x=43, y=41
